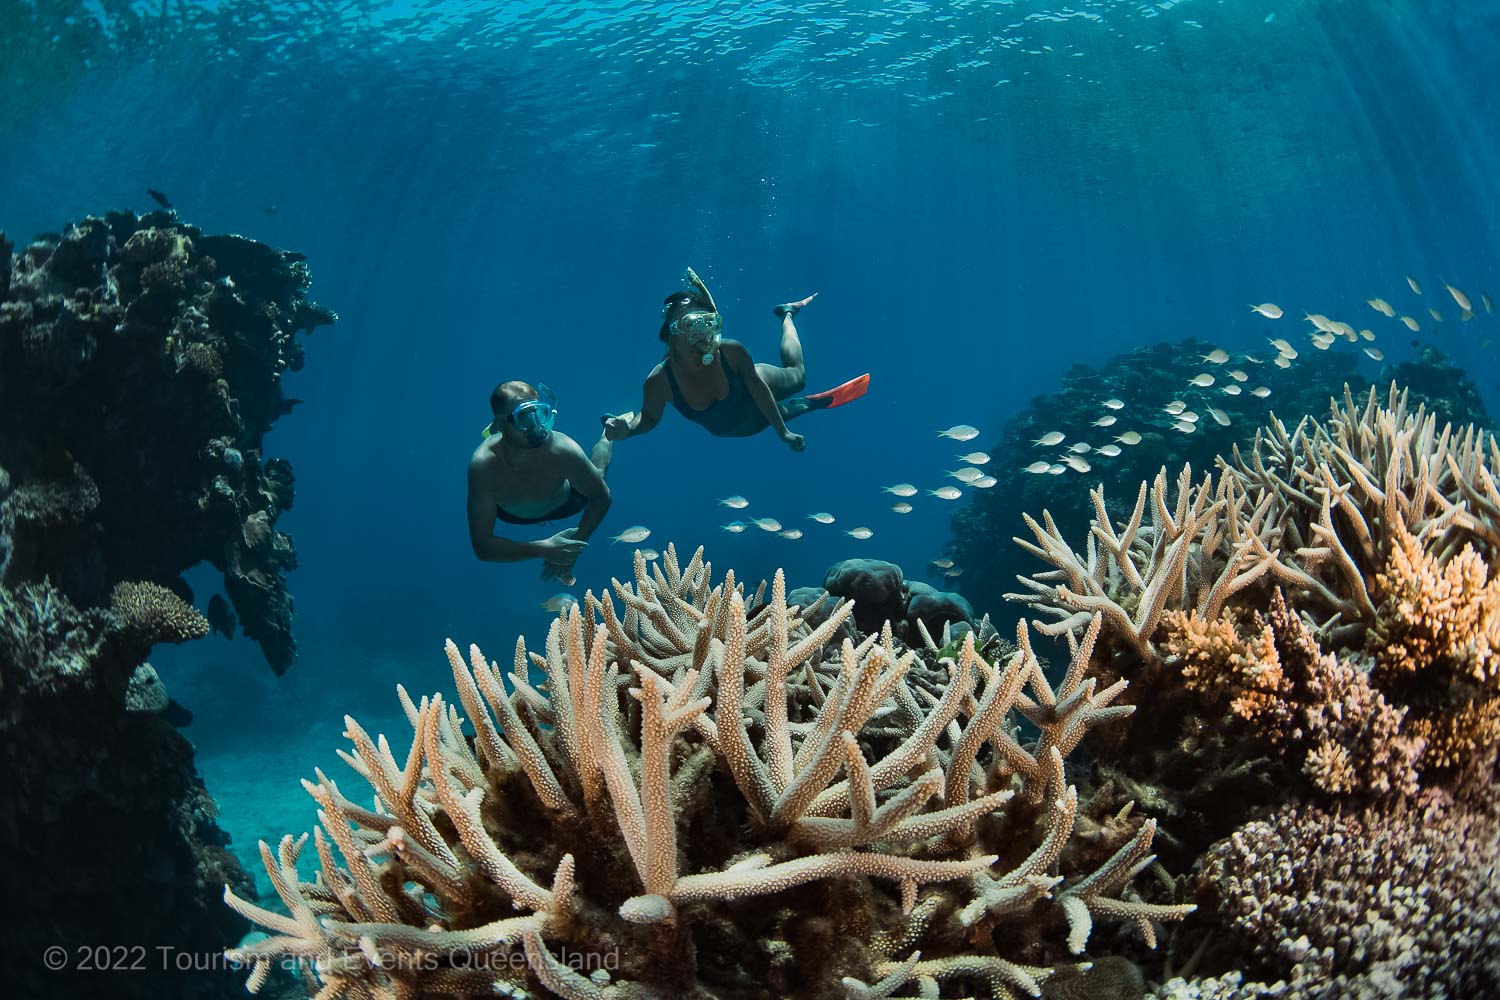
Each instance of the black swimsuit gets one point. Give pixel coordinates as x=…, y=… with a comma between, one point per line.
x=574, y=504
x=736, y=415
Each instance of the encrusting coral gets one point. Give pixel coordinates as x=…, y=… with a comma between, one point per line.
x=731, y=808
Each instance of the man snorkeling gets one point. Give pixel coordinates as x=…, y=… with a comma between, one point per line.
x=716, y=383
x=526, y=473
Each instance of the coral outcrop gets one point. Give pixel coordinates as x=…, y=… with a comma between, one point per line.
x=140, y=364
x=140, y=368
x=710, y=798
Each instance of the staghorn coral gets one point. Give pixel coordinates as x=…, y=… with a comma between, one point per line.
x=675, y=796
x=1313, y=510
x=1401, y=902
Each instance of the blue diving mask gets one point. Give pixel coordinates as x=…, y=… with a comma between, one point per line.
x=535, y=417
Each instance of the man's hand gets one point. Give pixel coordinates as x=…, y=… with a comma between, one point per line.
x=616, y=428
x=797, y=441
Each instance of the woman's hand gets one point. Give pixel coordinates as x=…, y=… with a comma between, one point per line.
x=617, y=428
x=797, y=441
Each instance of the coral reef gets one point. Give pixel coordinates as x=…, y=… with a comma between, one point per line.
x=1309, y=639
x=712, y=794
x=139, y=371
x=1144, y=380
x=140, y=367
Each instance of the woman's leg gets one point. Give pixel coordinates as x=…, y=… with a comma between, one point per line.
x=791, y=377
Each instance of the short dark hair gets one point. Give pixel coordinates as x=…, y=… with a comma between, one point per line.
x=679, y=304
x=509, y=393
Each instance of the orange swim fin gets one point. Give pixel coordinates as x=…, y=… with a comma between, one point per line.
x=839, y=395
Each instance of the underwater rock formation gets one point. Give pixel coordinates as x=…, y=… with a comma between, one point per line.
x=1311, y=631
x=881, y=593
x=1144, y=380
x=749, y=811
x=140, y=366
x=139, y=372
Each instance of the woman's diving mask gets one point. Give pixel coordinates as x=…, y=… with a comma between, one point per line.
x=701, y=329
x=535, y=417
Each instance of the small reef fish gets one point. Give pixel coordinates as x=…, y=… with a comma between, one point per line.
x=1437, y=317
x=558, y=603
x=1202, y=381
x=1374, y=354
x=735, y=527
x=984, y=482
x=650, y=554
x=901, y=507
x=1231, y=389
x=1105, y=422
x=1489, y=304
x=1217, y=356
x=1108, y=450
x=902, y=490
x=822, y=517
x=767, y=524
x=955, y=571
x=1114, y=404
x=1282, y=361
x=1413, y=283
x=946, y=493
x=1056, y=470
x=1260, y=392
x=1129, y=437
x=1077, y=464
x=1238, y=375
x=1282, y=346
x=1459, y=297
x=634, y=533
x=1381, y=306
x=1049, y=439
x=1189, y=416
x=1037, y=468
x=1175, y=407
x=1346, y=331
x=792, y=533
x=943, y=563
x=1269, y=310
x=738, y=503
x=1411, y=324
x=1367, y=334
x=860, y=533
x=975, y=458
x=1253, y=359
x=1081, y=448
x=1319, y=320
x=960, y=432
x=1322, y=343
x=159, y=198
x=1185, y=426
x=967, y=474
x=1220, y=417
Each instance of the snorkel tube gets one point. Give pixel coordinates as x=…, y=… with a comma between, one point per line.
x=712, y=342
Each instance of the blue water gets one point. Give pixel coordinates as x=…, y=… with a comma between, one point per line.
x=983, y=194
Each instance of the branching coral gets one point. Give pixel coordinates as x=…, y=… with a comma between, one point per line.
x=1314, y=510
x=157, y=614
x=712, y=815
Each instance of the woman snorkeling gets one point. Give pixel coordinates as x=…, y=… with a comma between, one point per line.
x=716, y=383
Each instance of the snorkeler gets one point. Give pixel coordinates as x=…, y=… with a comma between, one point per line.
x=716, y=383
x=527, y=473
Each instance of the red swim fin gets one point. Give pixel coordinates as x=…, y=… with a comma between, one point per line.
x=839, y=395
